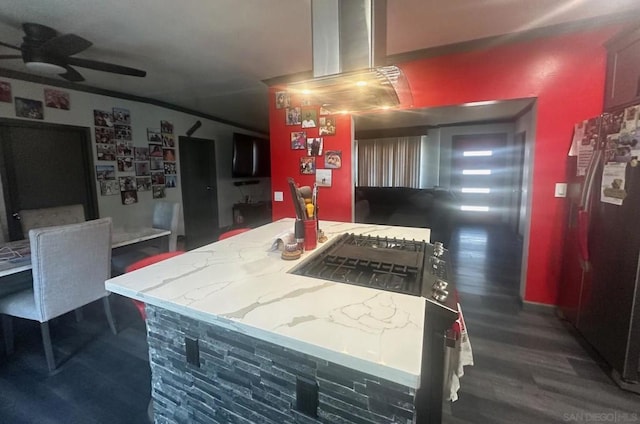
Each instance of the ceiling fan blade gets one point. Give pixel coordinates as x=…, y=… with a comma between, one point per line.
x=105, y=67
x=72, y=75
x=9, y=45
x=66, y=45
x=10, y=56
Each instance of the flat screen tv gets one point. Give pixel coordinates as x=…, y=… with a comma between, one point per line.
x=251, y=157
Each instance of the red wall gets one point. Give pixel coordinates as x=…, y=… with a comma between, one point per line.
x=334, y=203
x=565, y=73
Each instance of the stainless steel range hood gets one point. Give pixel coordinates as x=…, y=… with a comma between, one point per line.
x=349, y=53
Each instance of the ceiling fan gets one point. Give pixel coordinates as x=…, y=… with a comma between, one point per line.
x=45, y=50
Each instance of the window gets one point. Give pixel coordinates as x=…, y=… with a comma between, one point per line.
x=389, y=162
x=477, y=153
x=476, y=172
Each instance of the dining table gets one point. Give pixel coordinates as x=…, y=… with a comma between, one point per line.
x=15, y=256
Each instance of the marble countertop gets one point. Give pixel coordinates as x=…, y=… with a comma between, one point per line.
x=239, y=284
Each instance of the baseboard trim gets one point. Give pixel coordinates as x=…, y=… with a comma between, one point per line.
x=631, y=387
x=538, y=307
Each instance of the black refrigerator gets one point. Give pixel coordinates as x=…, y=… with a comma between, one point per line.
x=600, y=291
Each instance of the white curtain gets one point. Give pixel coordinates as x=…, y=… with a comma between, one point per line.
x=389, y=162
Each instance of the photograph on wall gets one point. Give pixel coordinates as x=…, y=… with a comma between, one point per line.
x=5, y=92
x=292, y=116
x=308, y=165
x=105, y=172
x=309, y=118
x=323, y=177
x=29, y=108
x=157, y=178
x=129, y=197
x=155, y=164
x=170, y=181
x=142, y=169
x=125, y=164
x=324, y=111
x=155, y=150
x=56, y=99
x=141, y=153
x=314, y=146
x=102, y=118
x=123, y=132
x=106, y=152
x=166, y=127
x=124, y=148
x=333, y=159
x=109, y=188
x=169, y=155
x=104, y=135
x=168, y=140
x=170, y=168
x=298, y=140
x=158, y=192
x=327, y=125
x=143, y=183
x=121, y=116
x=282, y=99
x=127, y=183
x=154, y=135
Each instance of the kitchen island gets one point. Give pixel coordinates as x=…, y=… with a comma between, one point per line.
x=235, y=337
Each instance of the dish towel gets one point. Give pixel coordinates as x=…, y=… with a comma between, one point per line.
x=457, y=357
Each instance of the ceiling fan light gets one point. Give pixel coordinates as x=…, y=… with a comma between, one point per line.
x=45, y=68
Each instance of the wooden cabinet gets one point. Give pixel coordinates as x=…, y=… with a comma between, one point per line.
x=622, y=86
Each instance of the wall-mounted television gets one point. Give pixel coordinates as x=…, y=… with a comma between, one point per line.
x=251, y=156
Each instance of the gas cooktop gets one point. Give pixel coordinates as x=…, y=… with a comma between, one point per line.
x=405, y=266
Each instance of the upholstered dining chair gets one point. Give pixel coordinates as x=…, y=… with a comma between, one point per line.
x=165, y=217
x=70, y=265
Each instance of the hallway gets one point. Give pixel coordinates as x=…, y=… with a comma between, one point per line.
x=530, y=367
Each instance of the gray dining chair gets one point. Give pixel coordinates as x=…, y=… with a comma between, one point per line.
x=165, y=217
x=70, y=265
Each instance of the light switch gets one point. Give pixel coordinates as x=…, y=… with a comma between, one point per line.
x=278, y=196
x=561, y=190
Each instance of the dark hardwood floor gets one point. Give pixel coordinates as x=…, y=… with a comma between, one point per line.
x=101, y=378
x=529, y=366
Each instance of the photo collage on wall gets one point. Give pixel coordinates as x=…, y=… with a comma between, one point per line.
x=133, y=169
x=313, y=138
x=34, y=108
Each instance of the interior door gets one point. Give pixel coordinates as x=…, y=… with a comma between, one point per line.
x=199, y=191
x=45, y=165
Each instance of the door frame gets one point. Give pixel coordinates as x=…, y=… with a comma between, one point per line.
x=182, y=143
x=7, y=167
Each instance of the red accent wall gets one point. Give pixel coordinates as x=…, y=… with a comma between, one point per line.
x=334, y=203
x=565, y=73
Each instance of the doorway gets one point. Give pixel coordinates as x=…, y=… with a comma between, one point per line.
x=199, y=191
x=45, y=165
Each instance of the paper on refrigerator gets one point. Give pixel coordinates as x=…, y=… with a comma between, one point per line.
x=613, y=190
x=587, y=143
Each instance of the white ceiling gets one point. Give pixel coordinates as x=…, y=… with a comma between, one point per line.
x=212, y=56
